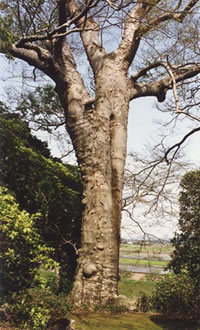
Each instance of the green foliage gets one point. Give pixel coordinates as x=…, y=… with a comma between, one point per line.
x=176, y=295
x=46, y=279
x=115, y=308
x=41, y=107
x=144, y=303
x=65, y=283
x=42, y=184
x=6, y=36
x=186, y=255
x=36, y=309
x=21, y=248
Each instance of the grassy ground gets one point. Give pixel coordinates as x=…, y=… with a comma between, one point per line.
x=114, y=322
x=134, y=321
x=132, y=288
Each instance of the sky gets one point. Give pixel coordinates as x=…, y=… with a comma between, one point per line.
x=143, y=114
x=142, y=130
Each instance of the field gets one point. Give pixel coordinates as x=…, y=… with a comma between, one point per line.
x=147, y=248
x=138, y=258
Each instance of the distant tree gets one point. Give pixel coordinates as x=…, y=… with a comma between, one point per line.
x=186, y=256
x=42, y=184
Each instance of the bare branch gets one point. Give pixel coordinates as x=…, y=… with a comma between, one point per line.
x=89, y=33
x=179, y=17
x=130, y=39
x=159, y=88
x=144, y=71
x=188, y=115
x=179, y=144
x=34, y=56
x=169, y=70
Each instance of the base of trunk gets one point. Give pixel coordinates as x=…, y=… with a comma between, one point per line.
x=94, y=287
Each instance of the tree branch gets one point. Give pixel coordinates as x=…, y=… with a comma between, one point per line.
x=144, y=71
x=179, y=17
x=179, y=144
x=130, y=39
x=34, y=56
x=89, y=31
x=159, y=88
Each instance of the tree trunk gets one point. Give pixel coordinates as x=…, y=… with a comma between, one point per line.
x=100, y=142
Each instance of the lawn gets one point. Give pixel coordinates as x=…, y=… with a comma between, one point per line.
x=133, y=321
x=132, y=288
x=97, y=321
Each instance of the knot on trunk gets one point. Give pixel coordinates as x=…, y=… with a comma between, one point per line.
x=100, y=247
x=89, y=269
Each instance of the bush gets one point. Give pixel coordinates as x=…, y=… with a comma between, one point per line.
x=46, y=279
x=177, y=296
x=144, y=303
x=36, y=309
x=22, y=250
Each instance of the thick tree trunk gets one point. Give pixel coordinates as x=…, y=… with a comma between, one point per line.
x=101, y=153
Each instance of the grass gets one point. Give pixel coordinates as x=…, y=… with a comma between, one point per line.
x=143, y=262
x=131, y=288
x=96, y=321
x=134, y=321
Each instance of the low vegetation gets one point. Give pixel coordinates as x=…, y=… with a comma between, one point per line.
x=176, y=296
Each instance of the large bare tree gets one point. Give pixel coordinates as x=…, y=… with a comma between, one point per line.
x=134, y=49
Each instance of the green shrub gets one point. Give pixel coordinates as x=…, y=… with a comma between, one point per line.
x=144, y=303
x=36, y=309
x=22, y=250
x=65, y=284
x=177, y=296
x=46, y=279
x=113, y=307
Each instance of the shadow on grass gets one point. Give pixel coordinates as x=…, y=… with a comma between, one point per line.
x=171, y=324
